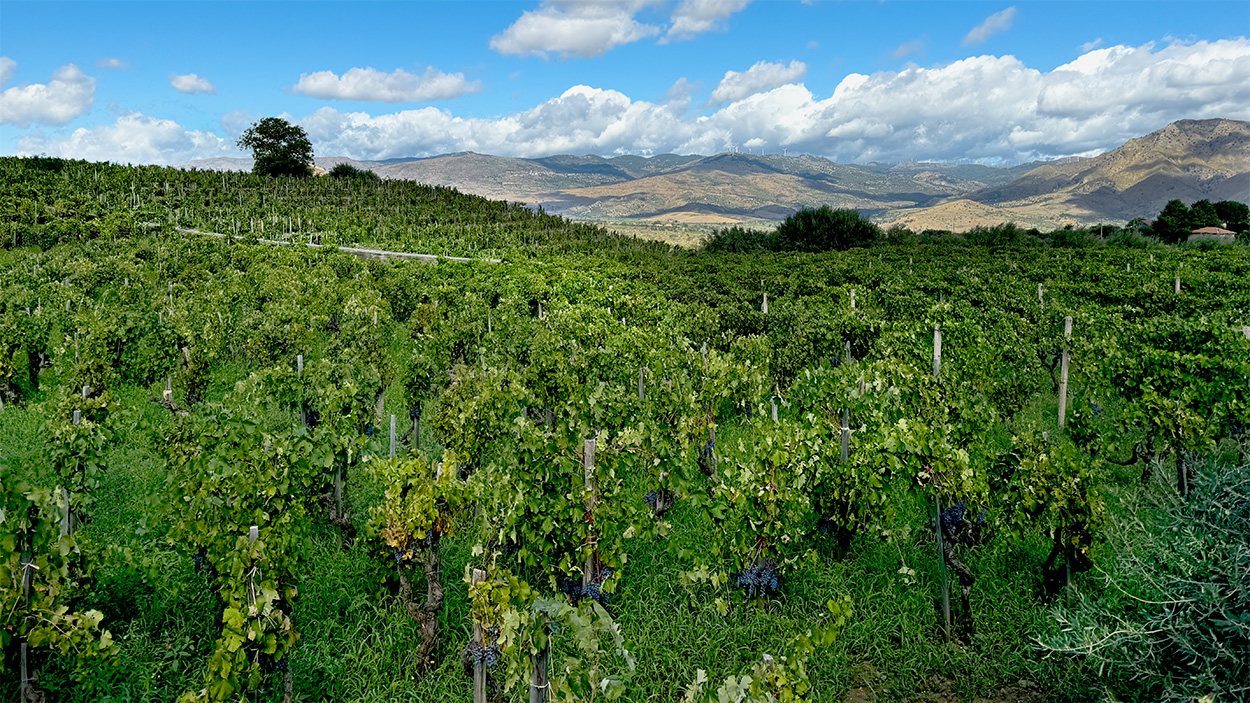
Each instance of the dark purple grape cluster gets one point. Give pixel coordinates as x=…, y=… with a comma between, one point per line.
x=760, y=579
x=1236, y=430
x=826, y=525
x=487, y=655
x=651, y=499
x=1097, y=410
x=952, y=517
x=508, y=548
x=200, y=561
x=369, y=430
x=592, y=591
x=410, y=548
x=269, y=665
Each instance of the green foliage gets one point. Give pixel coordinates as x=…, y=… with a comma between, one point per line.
x=1234, y=215
x=231, y=476
x=739, y=240
x=1173, y=223
x=279, y=148
x=1203, y=214
x=824, y=229
x=777, y=679
x=35, y=553
x=348, y=172
x=1004, y=235
x=1173, y=617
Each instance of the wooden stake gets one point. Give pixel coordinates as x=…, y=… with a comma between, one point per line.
x=392, y=436
x=946, y=591
x=852, y=298
x=479, y=668
x=588, y=466
x=490, y=327
x=1178, y=284
x=642, y=392
x=1063, y=371
x=1039, y=295
x=774, y=408
x=846, y=358
x=705, y=366
x=937, y=351
x=539, y=685
x=765, y=308
x=846, y=435
x=1245, y=331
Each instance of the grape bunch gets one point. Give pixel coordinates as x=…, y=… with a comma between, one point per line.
x=707, y=457
x=200, y=561
x=952, y=517
x=592, y=591
x=1236, y=430
x=826, y=525
x=659, y=501
x=487, y=655
x=1097, y=410
x=409, y=549
x=269, y=665
x=508, y=548
x=760, y=579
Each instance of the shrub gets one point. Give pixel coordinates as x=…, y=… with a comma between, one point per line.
x=825, y=229
x=738, y=239
x=1175, y=620
x=349, y=172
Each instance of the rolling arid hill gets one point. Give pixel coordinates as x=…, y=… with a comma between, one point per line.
x=1189, y=160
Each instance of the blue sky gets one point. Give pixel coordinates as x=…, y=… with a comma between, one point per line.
x=856, y=81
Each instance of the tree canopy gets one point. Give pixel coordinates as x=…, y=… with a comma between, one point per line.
x=825, y=229
x=279, y=148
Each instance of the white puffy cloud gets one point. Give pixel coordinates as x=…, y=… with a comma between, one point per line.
x=7, y=68
x=582, y=120
x=112, y=63
x=68, y=95
x=995, y=23
x=569, y=28
x=134, y=138
x=398, y=86
x=762, y=76
x=697, y=16
x=191, y=84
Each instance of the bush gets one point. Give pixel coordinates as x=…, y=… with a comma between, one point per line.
x=349, y=172
x=825, y=229
x=738, y=239
x=1175, y=620
x=1007, y=234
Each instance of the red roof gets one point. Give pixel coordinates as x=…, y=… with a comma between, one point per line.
x=1212, y=230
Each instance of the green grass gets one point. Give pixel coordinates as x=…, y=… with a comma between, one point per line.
x=358, y=644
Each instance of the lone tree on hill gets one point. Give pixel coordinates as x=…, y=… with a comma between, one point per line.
x=279, y=148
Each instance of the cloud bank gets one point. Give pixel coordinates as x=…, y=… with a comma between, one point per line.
x=398, y=86
x=984, y=108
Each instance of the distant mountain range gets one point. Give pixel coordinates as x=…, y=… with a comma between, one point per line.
x=1189, y=160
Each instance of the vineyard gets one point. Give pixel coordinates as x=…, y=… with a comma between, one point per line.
x=600, y=469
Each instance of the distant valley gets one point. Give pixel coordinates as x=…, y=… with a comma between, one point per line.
x=1189, y=160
